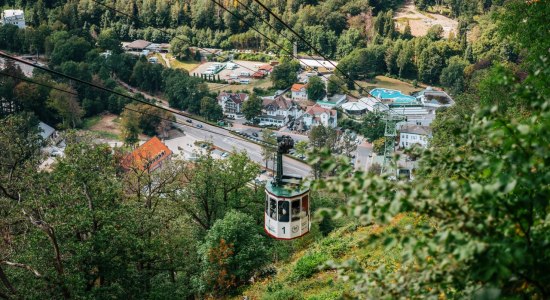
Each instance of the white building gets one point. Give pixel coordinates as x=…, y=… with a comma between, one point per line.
x=14, y=17
x=299, y=91
x=232, y=103
x=317, y=115
x=410, y=135
x=279, y=110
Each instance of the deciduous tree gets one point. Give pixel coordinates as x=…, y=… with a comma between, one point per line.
x=315, y=88
x=252, y=108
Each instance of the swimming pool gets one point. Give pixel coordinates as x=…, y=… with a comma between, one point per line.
x=394, y=95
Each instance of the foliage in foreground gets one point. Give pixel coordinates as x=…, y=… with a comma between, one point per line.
x=485, y=193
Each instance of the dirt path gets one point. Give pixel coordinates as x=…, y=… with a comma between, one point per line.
x=420, y=22
x=163, y=55
x=107, y=124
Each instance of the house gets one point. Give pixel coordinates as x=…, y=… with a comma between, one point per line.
x=299, y=91
x=232, y=103
x=149, y=156
x=318, y=115
x=410, y=135
x=281, y=106
x=138, y=45
x=14, y=17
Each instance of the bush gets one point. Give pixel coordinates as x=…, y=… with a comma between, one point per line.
x=326, y=226
x=327, y=296
x=308, y=265
x=336, y=246
x=284, y=293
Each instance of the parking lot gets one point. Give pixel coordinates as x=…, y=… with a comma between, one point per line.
x=241, y=66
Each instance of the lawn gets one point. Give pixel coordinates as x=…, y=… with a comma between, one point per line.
x=107, y=135
x=188, y=65
x=262, y=83
x=390, y=83
x=160, y=59
x=90, y=122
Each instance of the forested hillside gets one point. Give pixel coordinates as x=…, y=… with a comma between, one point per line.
x=474, y=223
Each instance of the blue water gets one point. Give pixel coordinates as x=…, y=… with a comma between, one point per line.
x=394, y=95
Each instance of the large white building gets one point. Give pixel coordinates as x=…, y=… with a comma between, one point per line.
x=317, y=115
x=14, y=17
x=410, y=135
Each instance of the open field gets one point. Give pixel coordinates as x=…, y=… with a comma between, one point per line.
x=106, y=126
x=188, y=65
x=421, y=22
x=390, y=83
x=262, y=83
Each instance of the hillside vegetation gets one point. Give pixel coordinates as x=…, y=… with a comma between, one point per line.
x=310, y=273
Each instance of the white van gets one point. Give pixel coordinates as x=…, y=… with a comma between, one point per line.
x=244, y=81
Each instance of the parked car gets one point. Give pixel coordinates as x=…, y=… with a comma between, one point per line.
x=255, y=134
x=189, y=121
x=199, y=126
x=225, y=154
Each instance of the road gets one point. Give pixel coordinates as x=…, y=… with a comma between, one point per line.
x=363, y=156
x=225, y=140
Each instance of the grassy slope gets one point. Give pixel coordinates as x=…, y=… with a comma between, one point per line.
x=349, y=242
x=390, y=83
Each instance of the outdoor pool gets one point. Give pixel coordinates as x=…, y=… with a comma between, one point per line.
x=394, y=95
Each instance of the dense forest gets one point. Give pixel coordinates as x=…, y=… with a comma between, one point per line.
x=89, y=230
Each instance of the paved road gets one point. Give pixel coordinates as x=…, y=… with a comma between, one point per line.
x=363, y=156
x=223, y=139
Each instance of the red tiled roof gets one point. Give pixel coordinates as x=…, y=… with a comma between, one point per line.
x=297, y=87
x=316, y=110
x=266, y=67
x=149, y=155
x=258, y=74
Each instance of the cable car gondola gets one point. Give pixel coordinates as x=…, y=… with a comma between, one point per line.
x=287, y=201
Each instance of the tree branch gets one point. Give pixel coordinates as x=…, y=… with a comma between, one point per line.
x=21, y=266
